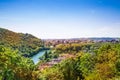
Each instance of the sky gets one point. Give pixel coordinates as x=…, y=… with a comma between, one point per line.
x=56, y=19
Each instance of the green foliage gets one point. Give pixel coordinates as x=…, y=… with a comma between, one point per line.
x=92, y=61
x=86, y=63
x=66, y=70
x=26, y=44
x=73, y=48
x=48, y=56
x=102, y=64
x=106, y=59
x=15, y=67
x=117, y=65
x=70, y=69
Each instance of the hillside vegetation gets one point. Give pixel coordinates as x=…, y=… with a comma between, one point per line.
x=26, y=44
x=100, y=61
x=16, y=67
x=88, y=61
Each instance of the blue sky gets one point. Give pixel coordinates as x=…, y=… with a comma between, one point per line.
x=62, y=18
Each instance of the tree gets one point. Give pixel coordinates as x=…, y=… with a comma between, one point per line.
x=15, y=67
x=46, y=55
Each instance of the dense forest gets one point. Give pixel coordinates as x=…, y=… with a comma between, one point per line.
x=26, y=44
x=81, y=61
x=97, y=61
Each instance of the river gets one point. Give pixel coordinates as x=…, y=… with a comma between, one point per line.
x=36, y=57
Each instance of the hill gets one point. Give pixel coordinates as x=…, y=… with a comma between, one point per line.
x=26, y=44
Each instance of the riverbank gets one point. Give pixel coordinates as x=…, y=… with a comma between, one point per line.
x=41, y=49
x=36, y=51
x=36, y=57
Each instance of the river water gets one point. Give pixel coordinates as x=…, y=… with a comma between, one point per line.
x=36, y=57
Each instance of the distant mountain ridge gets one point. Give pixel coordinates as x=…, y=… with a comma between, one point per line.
x=26, y=44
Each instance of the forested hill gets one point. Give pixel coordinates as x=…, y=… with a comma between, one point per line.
x=26, y=44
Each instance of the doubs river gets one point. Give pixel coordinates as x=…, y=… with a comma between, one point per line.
x=36, y=57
